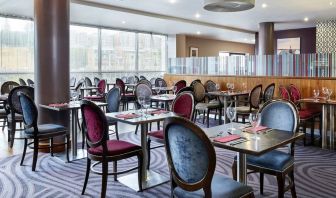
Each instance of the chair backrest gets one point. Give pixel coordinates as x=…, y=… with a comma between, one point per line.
x=22, y=82
x=95, y=125
x=120, y=83
x=210, y=86
x=101, y=87
x=144, y=81
x=295, y=94
x=72, y=81
x=284, y=93
x=185, y=89
x=197, y=80
x=7, y=86
x=130, y=80
x=88, y=82
x=143, y=78
x=96, y=81
x=160, y=81
x=13, y=98
x=269, y=92
x=136, y=79
x=30, y=82
x=143, y=90
x=254, y=97
x=180, y=84
x=191, y=156
x=113, y=99
x=152, y=80
x=124, y=78
x=199, y=91
x=183, y=105
x=279, y=114
x=29, y=110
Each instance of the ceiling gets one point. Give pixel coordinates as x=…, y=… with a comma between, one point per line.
x=287, y=14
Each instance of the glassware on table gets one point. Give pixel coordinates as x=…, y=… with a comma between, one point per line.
x=316, y=93
x=217, y=87
x=244, y=86
x=232, y=87
x=329, y=93
x=157, y=90
x=253, y=118
x=141, y=101
x=231, y=113
x=146, y=104
x=325, y=91
x=228, y=86
x=174, y=90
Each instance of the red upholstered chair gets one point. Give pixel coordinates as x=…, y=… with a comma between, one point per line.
x=180, y=84
x=103, y=150
x=125, y=97
x=306, y=112
x=100, y=94
x=183, y=105
x=284, y=94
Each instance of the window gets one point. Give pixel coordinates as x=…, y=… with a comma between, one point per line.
x=83, y=48
x=152, y=52
x=118, y=50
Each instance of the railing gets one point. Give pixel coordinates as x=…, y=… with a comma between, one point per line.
x=293, y=65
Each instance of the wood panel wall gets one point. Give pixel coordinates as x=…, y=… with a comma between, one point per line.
x=306, y=85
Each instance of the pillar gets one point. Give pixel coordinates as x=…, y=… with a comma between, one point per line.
x=266, y=38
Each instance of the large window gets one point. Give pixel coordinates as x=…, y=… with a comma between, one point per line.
x=152, y=52
x=17, y=45
x=118, y=50
x=83, y=48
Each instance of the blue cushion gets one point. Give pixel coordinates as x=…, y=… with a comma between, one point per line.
x=221, y=186
x=47, y=129
x=273, y=160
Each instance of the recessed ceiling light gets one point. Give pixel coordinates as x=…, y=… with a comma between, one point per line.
x=331, y=3
x=197, y=15
x=306, y=19
x=172, y=1
x=123, y=22
x=198, y=32
x=264, y=5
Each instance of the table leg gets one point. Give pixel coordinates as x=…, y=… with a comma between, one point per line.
x=324, y=126
x=224, y=109
x=82, y=93
x=241, y=168
x=332, y=126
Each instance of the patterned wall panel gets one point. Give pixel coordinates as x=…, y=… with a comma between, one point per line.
x=326, y=36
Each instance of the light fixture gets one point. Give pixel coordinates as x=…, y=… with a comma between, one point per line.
x=197, y=15
x=123, y=22
x=172, y=1
x=264, y=5
x=198, y=32
x=331, y=3
x=306, y=19
x=228, y=5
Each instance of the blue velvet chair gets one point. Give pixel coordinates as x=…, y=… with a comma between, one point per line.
x=192, y=161
x=113, y=104
x=39, y=132
x=282, y=115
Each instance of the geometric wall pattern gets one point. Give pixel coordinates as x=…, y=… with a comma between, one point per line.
x=326, y=36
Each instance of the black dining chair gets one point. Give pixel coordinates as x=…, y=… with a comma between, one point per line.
x=102, y=150
x=96, y=81
x=192, y=161
x=37, y=132
x=22, y=82
x=72, y=81
x=30, y=82
x=113, y=105
x=281, y=115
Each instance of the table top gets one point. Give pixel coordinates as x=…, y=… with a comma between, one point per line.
x=143, y=119
x=268, y=141
x=227, y=93
x=89, y=88
x=69, y=106
x=3, y=97
x=319, y=100
x=163, y=97
x=163, y=88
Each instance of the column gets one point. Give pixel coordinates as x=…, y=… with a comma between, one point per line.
x=266, y=38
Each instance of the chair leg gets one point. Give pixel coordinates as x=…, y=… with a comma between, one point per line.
x=83, y=135
x=116, y=131
x=320, y=130
x=36, y=144
x=115, y=164
x=51, y=149
x=88, y=165
x=104, y=179
x=67, y=147
x=304, y=131
x=203, y=117
x=140, y=164
x=293, y=191
x=312, y=132
x=262, y=183
x=136, y=129
x=12, y=134
x=148, y=152
x=158, y=125
x=24, y=151
x=281, y=185
x=234, y=170
x=208, y=115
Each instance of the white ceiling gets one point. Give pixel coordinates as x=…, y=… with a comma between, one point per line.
x=288, y=14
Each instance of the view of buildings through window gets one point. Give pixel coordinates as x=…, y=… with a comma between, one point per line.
x=91, y=49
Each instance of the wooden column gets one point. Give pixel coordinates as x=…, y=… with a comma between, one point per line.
x=266, y=38
x=52, y=58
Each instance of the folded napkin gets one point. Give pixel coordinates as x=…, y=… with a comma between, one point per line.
x=257, y=129
x=227, y=138
x=128, y=116
x=58, y=105
x=157, y=111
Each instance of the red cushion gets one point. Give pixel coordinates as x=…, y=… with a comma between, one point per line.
x=305, y=114
x=157, y=134
x=312, y=110
x=115, y=147
x=93, y=97
x=129, y=94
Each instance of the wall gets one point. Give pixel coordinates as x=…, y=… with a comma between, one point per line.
x=171, y=44
x=209, y=47
x=326, y=36
x=307, y=38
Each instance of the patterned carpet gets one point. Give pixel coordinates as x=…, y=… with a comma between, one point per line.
x=315, y=176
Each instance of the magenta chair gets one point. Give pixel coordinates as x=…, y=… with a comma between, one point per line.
x=100, y=96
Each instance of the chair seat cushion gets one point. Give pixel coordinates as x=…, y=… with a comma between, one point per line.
x=18, y=117
x=303, y=114
x=47, y=130
x=312, y=110
x=206, y=106
x=245, y=109
x=273, y=160
x=221, y=186
x=94, y=97
x=115, y=147
x=129, y=95
x=111, y=121
x=3, y=113
x=157, y=134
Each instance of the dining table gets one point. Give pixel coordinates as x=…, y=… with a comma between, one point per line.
x=165, y=98
x=328, y=119
x=268, y=140
x=73, y=107
x=165, y=90
x=224, y=97
x=90, y=88
x=150, y=178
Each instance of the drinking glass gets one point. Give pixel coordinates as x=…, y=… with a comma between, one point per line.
x=141, y=101
x=325, y=91
x=146, y=104
x=231, y=113
x=329, y=93
x=316, y=93
x=232, y=87
x=228, y=85
x=244, y=87
x=217, y=87
x=253, y=118
x=174, y=89
x=157, y=90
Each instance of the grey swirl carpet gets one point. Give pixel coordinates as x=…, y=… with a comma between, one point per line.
x=315, y=174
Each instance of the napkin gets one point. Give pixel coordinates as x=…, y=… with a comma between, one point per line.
x=227, y=138
x=257, y=129
x=157, y=111
x=58, y=105
x=128, y=116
